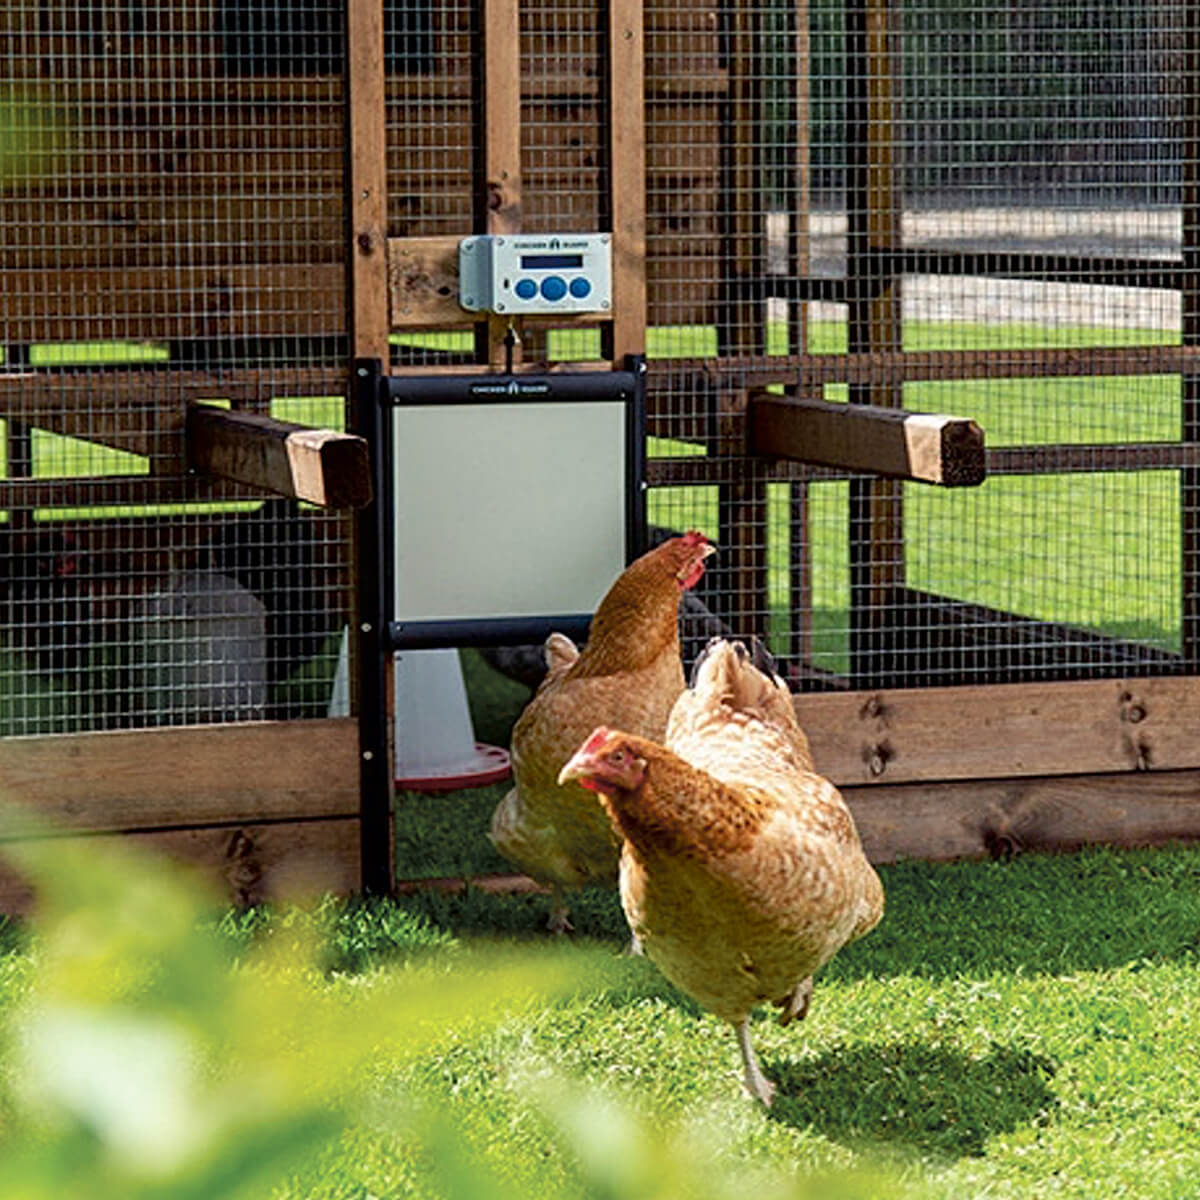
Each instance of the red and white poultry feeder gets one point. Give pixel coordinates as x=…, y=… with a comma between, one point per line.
x=436, y=750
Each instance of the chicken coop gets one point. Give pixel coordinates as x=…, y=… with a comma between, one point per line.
x=851, y=243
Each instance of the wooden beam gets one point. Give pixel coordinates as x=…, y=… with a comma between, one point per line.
x=188, y=776
x=144, y=303
x=1004, y=731
x=924, y=447
x=322, y=466
x=366, y=180
x=423, y=287
x=907, y=366
x=627, y=175
x=254, y=862
x=999, y=818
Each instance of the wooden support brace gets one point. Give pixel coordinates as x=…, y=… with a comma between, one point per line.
x=925, y=447
x=321, y=466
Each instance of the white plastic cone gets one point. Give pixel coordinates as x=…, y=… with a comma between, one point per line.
x=339, y=695
x=436, y=748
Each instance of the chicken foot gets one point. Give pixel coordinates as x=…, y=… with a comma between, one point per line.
x=754, y=1081
x=559, y=920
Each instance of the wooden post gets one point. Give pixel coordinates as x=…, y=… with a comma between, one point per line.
x=876, y=514
x=499, y=191
x=797, y=205
x=627, y=177
x=1189, y=483
x=741, y=572
x=366, y=214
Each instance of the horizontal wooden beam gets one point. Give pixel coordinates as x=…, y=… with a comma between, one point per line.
x=243, y=864
x=1005, y=731
x=1007, y=460
x=907, y=366
x=143, y=411
x=998, y=818
x=175, y=302
x=924, y=447
x=322, y=466
x=142, y=780
x=423, y=288
x=114, y=491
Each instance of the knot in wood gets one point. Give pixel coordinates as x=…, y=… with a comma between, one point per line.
x=877, y=757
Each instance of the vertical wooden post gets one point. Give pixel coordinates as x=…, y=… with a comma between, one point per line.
x=800, y=587
x=741, y=328
x=367, y=307
x=366, y=182
x=876, y=516
x=627, y=177
x=499, y=158
x=1189, y=484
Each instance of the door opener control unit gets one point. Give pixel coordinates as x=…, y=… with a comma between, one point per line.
x=536, y=274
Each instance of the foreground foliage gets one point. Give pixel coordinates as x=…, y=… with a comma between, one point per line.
x=1019, y=1029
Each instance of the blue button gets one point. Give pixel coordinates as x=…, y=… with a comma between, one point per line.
x=526, y=289
x=554, y=287
x=580, y=287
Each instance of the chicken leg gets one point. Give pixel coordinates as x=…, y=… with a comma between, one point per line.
x=754, y=1081
x=559, y=921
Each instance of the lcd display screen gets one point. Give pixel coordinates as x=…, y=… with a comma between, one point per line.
x=546, y=262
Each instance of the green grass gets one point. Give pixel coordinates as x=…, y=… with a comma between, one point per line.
x=1019, y=1029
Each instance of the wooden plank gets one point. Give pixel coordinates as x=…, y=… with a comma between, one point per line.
x=980, y=819
x=686, y=76
x=903, y=366
x=924, y=447
x=143, y=411
x=876, y=505
x=1058, y=460
x=366, y=180
x=423, y=288
x=116, y=490
x=140, y=232
x=994, y=731
x=627, y=176
x=244, y=864
x=174, y=303
x=423, y=283
x=999, y=818
x=322, y=466
x=500, y=199
x=194, y=775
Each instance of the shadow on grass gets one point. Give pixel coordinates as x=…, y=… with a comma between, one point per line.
x=595, y=914
x=915, y=1096
x=1041, y=914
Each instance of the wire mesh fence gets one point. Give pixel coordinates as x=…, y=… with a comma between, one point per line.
x=171, y=182
x=941, y=207
x=937, y=206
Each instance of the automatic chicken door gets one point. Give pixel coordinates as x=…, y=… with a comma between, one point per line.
x=512, y=501
x=506, y=506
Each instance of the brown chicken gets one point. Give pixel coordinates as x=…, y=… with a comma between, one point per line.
x=629, y=674
x=741, y=870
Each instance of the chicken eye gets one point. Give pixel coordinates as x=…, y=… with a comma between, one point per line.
x=617, y=756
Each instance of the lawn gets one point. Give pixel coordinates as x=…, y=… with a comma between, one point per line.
x=1018, y=1029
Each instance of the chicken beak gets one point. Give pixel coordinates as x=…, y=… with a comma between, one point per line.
x=576, y=766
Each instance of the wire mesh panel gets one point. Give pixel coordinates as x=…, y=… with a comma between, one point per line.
x=171, y=182
x=937, y=207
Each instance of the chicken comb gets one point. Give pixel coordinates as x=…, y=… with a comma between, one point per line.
x=694, y=537
x=597, y=739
